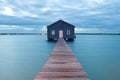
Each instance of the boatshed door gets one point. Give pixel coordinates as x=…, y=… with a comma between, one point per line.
x=60, y=33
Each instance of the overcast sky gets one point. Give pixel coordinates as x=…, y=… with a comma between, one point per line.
x=94, y=14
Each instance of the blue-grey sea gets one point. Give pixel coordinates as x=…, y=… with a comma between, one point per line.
x=22, y=56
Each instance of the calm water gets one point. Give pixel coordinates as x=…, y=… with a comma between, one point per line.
x=22, y=56
x=99, y=55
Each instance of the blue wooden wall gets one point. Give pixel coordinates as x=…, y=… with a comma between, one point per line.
x=60, y=25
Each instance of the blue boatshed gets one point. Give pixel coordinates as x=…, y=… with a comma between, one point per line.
x=61, y=29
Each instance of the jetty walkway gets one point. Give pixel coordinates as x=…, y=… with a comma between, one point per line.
x=62, y=65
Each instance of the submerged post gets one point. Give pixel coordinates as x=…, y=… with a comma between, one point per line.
x=62, y=65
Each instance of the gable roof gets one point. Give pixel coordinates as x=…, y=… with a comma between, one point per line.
x=60, y=21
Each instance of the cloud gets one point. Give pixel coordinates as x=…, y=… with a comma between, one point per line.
x=28, y=29
x=26, y=14
x=97, y=30
x=18, y=29
x=4, y=27
x=88, y=30
x=7, y=11
x=88, y=13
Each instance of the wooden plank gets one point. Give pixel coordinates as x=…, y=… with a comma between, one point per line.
x=62, y=65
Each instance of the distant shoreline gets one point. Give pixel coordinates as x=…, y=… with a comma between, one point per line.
x=46, y=34
x=21, y=34
x=97, y=33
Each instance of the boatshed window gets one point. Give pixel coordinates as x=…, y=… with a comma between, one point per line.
x=53, y=32
x=68, y=32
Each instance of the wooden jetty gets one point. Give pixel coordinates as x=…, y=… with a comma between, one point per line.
x=62, y=65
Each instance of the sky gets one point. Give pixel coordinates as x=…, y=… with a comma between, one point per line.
x=35, y=15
